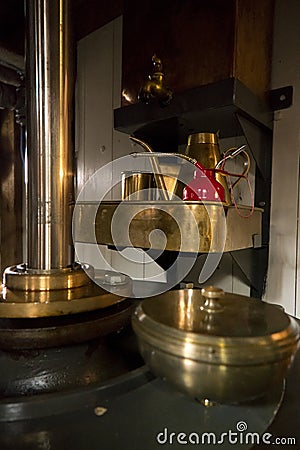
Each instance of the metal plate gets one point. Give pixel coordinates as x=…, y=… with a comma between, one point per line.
x=129, y=413
x=21, y=278
x=64, y=330
x=29, y=375
x=30, y=304
x=174, y=218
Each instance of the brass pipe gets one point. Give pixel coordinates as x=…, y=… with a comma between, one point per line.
x=154, y=88
x=165, y=154
x=50, y=87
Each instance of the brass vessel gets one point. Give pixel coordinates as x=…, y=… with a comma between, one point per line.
x=137, y=185
x=213, y=345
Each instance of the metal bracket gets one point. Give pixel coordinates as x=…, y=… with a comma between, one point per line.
x=281, y=98
x=257, y=240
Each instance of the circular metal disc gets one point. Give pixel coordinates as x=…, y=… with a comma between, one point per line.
x=66, y=330
x=30, y=304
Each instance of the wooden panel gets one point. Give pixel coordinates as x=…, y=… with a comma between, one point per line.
x=194, y=39
x=89, y=15
x=12, y=26
x=253, y=45
x=11, y=179
x=199, y=42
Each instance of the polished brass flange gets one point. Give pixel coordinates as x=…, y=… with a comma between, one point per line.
x=21, y=278
x=29, y=293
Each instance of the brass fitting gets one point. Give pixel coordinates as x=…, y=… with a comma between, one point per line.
x=154, y=88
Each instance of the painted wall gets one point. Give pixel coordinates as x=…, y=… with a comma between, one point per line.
x=97, y=143
x=283, y=273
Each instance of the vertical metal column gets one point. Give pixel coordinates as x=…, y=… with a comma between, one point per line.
x=50, y=87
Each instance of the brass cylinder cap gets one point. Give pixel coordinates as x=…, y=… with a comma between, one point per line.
x=203, y=138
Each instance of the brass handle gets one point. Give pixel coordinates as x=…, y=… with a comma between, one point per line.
x=159, y=179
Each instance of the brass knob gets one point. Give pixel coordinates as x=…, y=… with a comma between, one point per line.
x=211, y=295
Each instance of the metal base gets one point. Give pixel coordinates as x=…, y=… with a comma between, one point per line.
x=22, y=278
x=31, y=294
x=132, y=411
x=61, y=369
x=71, y=329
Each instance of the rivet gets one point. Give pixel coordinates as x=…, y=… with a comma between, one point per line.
x=100, y=410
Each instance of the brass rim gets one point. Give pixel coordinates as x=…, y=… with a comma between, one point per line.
x=46, y=332
x=94, y=220
x=203, y=138
x=26, y=304
x=19, y=277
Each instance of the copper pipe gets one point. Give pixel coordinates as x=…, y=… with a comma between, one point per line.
x=50, y=87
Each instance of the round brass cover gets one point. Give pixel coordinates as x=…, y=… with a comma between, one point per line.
x=240, y=316
x=227, y=349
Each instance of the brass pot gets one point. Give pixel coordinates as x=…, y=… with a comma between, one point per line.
x=213, y=345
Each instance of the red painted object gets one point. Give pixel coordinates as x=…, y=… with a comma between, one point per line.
x=204, y=186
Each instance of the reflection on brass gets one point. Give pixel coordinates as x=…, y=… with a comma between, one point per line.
x=17, y=303
x=168, y=184
x=138, y=186
x=229, y=355
x=202, y=138
x=142, y=186
x=204, y=148
x=154, y=88
x=21, y=278
x=212, y=295
x=145, y=217
x=50, y=90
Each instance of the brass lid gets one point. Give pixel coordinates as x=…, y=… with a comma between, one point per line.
x=235, y=325
x=203, y=138
x=228, y=315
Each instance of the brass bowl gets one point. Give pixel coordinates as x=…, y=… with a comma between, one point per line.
x=222, y=347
